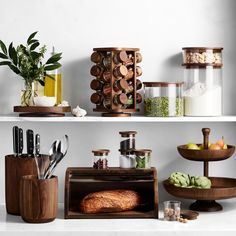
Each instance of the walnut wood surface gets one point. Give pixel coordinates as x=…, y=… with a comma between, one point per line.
x=206, y=154
x=81, y=181
x=15, y=168
x=38, y=199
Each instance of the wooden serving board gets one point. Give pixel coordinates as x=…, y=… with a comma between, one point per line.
x=39, y=111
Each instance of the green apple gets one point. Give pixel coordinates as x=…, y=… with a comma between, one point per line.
x=192, y=146
x=202, y=147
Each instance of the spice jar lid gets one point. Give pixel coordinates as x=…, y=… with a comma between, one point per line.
x=142, y=152
x=122, y=56
x=95, y=98
x=95, y=84
x=123, y=84
x=95, y=70
x=96, y=57
x=163, y=84
x=127, y=133
x=122, y=98
x=127, y=151
x=100, y=152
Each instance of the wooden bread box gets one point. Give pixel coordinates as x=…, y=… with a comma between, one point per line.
x=79, y=182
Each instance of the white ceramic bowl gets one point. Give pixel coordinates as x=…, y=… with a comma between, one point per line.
x=44, y=101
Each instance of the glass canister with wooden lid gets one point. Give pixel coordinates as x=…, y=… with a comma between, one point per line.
x=163, y=99
x=100, y=160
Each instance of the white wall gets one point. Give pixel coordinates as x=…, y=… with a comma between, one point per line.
x=160, y=29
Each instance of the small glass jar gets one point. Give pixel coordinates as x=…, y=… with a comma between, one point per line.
x=172, y=210
x=163, y=99
x=127, y=141
x=143, y=158
x=127, y=159
x=100, y=158
x=202, y=55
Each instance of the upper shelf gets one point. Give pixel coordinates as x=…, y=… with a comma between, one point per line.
x=132, y=119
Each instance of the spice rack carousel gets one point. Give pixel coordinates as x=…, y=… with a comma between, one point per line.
x=221, y=188
x=116, y=82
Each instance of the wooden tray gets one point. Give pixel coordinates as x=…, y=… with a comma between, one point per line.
x=81, y=181
x=222, y=188
x=37, y=111
x=206, y=154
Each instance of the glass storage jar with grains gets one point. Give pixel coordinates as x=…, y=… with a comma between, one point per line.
x=143, y=158
x=100, y=158
x=163, y=99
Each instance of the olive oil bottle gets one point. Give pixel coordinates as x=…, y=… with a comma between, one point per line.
x=53, y=84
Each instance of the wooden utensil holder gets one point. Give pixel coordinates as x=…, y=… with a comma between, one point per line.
x=116, y=83
x=38, y=199
x=15, y=168
x=81, y=181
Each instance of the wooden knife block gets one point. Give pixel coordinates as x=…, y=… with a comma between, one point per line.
x=81, y=181
x=15, y=168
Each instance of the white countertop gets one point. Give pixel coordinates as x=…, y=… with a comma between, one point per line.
x=217, y=224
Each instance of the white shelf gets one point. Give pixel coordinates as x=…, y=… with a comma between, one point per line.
x=211, y=224
x=138, y=119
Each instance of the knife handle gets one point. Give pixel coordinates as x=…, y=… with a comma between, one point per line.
x=37, y=144
x=15, y=140
x=21, y=141
x=30, y=142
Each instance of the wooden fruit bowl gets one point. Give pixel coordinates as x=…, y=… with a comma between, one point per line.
x=206, y=154
x=222, y=188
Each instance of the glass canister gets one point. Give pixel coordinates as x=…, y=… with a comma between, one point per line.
x=203, y=81
x=127, y=159
x=100, y=158
x=143, y=158
x=163, y=99
x=127, y=141
x=172, y=210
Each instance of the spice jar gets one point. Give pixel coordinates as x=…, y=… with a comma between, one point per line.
x=96, y=71
x=138, y=84
x=130, y=74
x=96, y=84
x=100, y=158
x=172, y=210
x=97, y=98
x=96, y=57
x=127, y=159
x=107, y=62
x=139, y=71
x=120, y=71
x=129, y=61
x=163, y=99
x=143, y=158
x=118, y=99
x=139, y=57
x=120, y=85
x=107, y=90
x=106, y=76
x=120, y=57
x=127, y=141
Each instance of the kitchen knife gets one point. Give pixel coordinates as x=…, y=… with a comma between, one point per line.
x=30, y=142
x=16, y=140
x=21, y=141
x=37, y=144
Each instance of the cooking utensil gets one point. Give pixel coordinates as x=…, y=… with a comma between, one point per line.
x=15, y=140
x=61, y=151
x=30, y=142
x=21, y=141
x=37, y=144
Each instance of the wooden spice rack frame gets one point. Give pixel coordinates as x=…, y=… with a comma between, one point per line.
x=107, y=56
x=81, y=181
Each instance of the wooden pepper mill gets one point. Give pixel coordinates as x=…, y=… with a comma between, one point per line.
x=115, y=84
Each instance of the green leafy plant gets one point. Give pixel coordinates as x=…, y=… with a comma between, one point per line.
x=27, y=61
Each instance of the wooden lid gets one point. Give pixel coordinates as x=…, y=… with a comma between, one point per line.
x=127, y=133
x=138, y=70
x=96, y=57
x=139, y=57
x=192, y=49
x=95, y=84
x=139, y=98
x=123, y=84
x=122, y=56
x=115, y=49
x=95, y=70
x=122, y=70
x=100, y=152
x=142, y=152
x=189, y=215
x=122, y=98
x=163, y=84
x=202, y=65
x=95, y=98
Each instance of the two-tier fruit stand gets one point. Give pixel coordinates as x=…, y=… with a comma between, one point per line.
x=221, y=188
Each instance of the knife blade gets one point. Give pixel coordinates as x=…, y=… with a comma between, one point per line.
x=37, y=144
x=30, y=142
x=15, y=140
x=21, y=142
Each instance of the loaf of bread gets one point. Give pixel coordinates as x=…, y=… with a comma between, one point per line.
x=110, y=201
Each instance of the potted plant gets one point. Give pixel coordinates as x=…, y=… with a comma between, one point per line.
x=27, y=62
